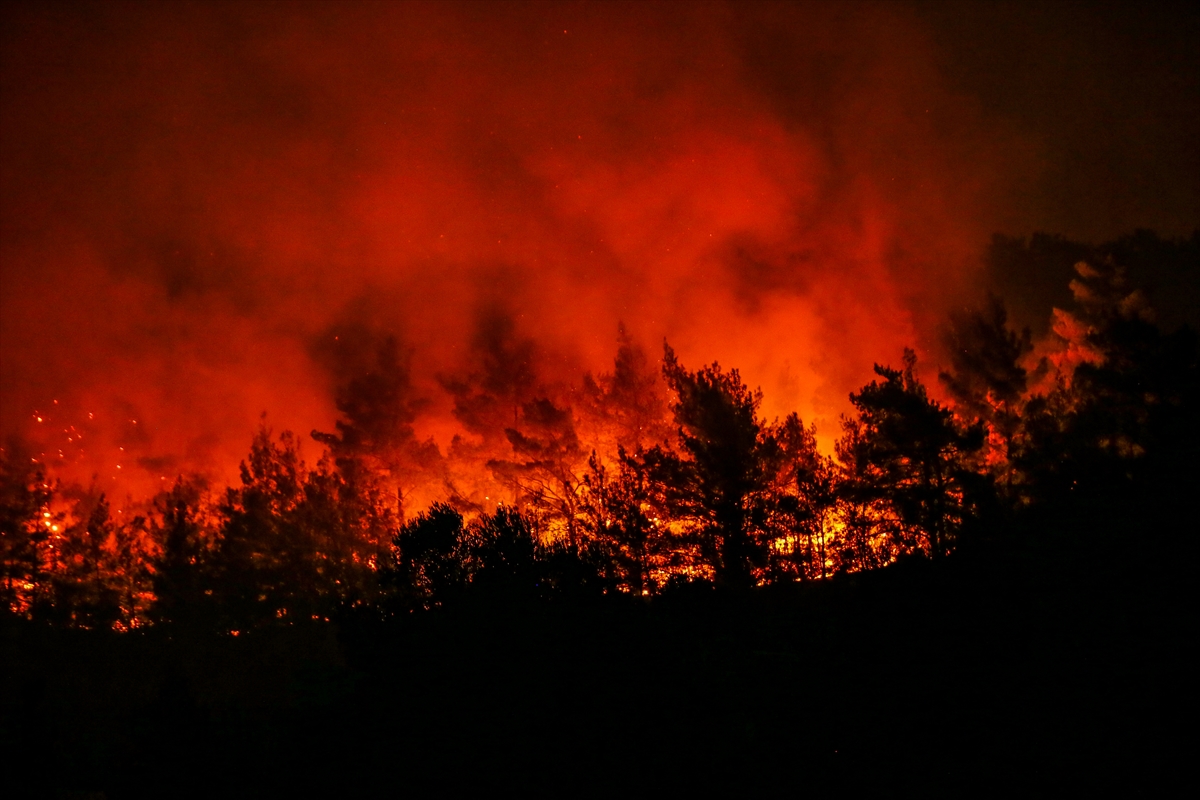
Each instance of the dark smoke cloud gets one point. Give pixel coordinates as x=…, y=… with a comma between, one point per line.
x=196, y=197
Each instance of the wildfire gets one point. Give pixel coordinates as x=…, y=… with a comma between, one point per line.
x=419, y=250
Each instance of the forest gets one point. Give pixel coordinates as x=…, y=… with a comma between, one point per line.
x=616, y=550
x=650, y=476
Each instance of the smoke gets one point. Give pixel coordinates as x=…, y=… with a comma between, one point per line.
x=199, y=198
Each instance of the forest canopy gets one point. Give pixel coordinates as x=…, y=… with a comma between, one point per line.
x=650, y=476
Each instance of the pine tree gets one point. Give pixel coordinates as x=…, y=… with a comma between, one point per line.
x=986, y=379
x=906, y=455
x=719, y=479
x=546, y=466
x=84, y=594
x=617, y=509
x=185, y=540
x=803, y=501
x=26, y=525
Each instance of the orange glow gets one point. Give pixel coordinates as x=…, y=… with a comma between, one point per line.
x=417, y=170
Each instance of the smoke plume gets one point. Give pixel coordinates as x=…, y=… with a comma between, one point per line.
x=201, y=201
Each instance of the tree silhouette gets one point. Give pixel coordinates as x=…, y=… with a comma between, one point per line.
x=986, y=379
x=293, y=544
x=1122, y=417
x=546, y=466
x=261, y=559
x=131, y=570
x=184, y=544
x=617, y=509
x=83, y=590
x=349, y=526
x=487, y=402
x=629, y=404
x=905, y=453
x=718, y=480
x=429, y=567
x=376, y=448
x=803, y=501
x=25, y=527
x=502, y=555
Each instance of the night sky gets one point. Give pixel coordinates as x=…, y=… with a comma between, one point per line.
x=196, y=197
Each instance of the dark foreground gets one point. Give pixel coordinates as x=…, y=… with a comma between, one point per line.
x=1026, y=672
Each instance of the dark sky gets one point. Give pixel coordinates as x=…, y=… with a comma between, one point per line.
x=193, y=197
x=1108, y=93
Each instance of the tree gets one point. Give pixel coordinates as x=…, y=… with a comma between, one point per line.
x=502, y=555
x=376, y=448
x=719, y=481
x=986, y=379
x=873, y=533
x=803, y=501
x=350, y=527
x=905, y=453
x=617, y=512
x=296, y=543
x=546, y=465
x=629, y=404
x=429, y=566
x=131, y=570
x=26, y=525
x=261, y=559
x=1122, y=418
x=487, y=402
x=184, y=543
x=438, y=560
x=84, y=594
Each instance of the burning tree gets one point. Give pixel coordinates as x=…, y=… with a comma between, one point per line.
x=83, y=582
x=627, y=408
x=803, y=506
x=986, y=379
x=26, y=526
x=546, y=466
x=185, y=538
x=375, y=447
x=619, y=514
x=488, y=402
